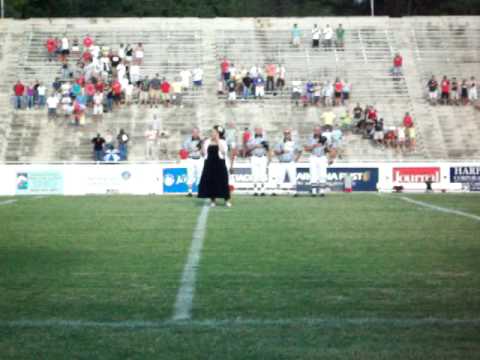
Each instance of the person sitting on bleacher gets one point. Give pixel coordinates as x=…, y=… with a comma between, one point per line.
x=197, y=77
x=87, y=42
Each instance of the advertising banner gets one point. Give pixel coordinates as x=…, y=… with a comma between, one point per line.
x=363, y=179
x=175, y=180
x=416, y=175
x=468, y=176
x=39, y=182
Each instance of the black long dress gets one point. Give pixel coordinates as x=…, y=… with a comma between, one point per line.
x=214, y=180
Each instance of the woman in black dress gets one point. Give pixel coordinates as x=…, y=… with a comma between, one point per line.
x=214, y=180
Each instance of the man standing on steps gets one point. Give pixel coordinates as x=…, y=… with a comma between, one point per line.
x=318, y=147
x=19, y=90
x=193, y=145
x=260, y=158
x=316, y=32
x=288, y=153
x=397, y=65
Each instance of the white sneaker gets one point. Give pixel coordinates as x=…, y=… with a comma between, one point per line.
x=213, y=204
x=228, y=204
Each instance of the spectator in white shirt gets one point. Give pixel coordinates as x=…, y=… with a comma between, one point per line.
x=52, y=103
x=327, y=36
x=139, y=54
x=197, y=76
x=185, y=76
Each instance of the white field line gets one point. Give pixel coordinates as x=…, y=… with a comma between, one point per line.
x=441, y=209
x=184, y=301
x=217, y=323
x=7, y=202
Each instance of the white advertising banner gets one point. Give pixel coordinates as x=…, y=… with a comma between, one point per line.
x=167, y=178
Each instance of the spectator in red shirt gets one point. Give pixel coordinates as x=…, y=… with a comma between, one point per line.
x=117, y=91
x=165, y=87
x=246, y=136
x=407, y=120
x=19, y=90
x=225, y=67
x=100, y=86
x=397, y=64
x=87, y=42
x=445, y=87
x=338, y=91
x=51, y=46
x=87, y=57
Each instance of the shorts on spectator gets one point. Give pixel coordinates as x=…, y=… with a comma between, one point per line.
x=315, y=43
x=346, y=95
x=296, y=95
x=198, y=83
x=97, y=109
x=52, y=111
x=338, y=94
x=232, y=96
x=296, y=41
x=165, y=96
x=432, y=95
x=445, y=95
x=378, y=135
x=454, y=95
x=154, y=94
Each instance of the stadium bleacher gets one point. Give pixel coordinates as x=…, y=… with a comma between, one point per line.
x=441, y=46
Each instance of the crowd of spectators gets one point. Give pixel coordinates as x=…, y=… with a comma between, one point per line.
x=368, y=123
x=104, y=148
x=327, y=36
x=95, y=79
x=452, y=91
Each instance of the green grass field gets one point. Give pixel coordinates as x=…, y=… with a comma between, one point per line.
x=357, y=276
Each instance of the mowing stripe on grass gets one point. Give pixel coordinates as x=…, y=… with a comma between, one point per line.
x=217, y=323
x=184, y=301
x=6, y=202
x=441, y=209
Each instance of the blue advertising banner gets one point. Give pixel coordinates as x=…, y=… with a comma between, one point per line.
x=465, y=174
x=469, y=176
x=39, y=182
x=363, y=179
x=175, y=180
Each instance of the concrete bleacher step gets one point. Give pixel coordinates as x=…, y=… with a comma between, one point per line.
x=429, y=45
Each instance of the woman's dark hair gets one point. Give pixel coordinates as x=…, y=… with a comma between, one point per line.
x=220, y=130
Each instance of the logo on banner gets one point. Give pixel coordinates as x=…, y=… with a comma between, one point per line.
x=175, y=180
x=416, y=174
x=242, y=174
x=363, y=179
x=39, y=182
x=22, y=181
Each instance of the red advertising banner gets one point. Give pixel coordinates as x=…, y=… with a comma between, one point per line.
x=416, y=174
